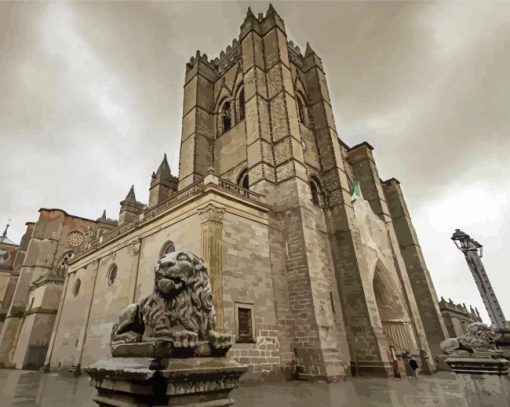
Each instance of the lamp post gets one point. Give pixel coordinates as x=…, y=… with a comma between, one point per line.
x=473, y=251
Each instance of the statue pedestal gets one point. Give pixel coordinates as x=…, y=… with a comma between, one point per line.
x=478, y=363
x=503, y=342
x=145, y=381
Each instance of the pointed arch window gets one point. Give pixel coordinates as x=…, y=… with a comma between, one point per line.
x=243, y=180
x=226, y=117
x=241, y=103
x=301, y=109
x=315, y=191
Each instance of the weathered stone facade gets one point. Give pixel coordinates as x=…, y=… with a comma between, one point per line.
x=313, y=260
x=46, y=249
x=10, y=258
x=457, y=317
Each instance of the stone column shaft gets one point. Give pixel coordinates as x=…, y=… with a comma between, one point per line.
x=212, y=249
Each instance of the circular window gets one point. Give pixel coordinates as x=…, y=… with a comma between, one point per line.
x=76, y=287
x=75, y=238
x=112, y=274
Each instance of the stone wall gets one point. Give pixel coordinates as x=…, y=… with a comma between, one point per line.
x=419, y=276
x=246, y=280
x=40, y=282
x=231, y=147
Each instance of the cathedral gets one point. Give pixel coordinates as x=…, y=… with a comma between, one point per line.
x=314, y=262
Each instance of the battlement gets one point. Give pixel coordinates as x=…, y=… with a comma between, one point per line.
x=460, y=308
x=232, y=53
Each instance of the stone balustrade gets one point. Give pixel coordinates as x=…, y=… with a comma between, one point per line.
x=194, y=189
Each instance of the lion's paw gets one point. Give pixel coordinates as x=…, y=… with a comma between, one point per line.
x=184, y=339
x=219, y=340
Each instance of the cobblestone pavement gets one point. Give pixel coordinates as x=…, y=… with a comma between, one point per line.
x=25, y=388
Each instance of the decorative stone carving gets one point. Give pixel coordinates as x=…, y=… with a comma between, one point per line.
x=165, y=348
x=479, y=337
x=474, y=352
x=177, y=319
x=75, y=238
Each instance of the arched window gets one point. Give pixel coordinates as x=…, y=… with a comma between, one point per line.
x=301, y=109
x=226, y=117
x=76, y=287
x=112, y=274
x=240, y=103
x=243, y=180
x=315, y=190
x=168, y=247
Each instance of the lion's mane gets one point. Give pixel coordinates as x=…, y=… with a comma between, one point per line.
x=191, y=308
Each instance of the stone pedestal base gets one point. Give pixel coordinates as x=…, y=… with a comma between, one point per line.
x=441, y=363
x=503, y=343
x=197, y=382
x=478, y=363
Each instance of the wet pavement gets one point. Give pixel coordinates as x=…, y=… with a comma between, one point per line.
x=27, y=388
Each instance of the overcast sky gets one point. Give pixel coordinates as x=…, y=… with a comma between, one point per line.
x=91, y=98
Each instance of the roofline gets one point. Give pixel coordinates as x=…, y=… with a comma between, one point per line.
x=392, y=179
x=67, y=214
x=10, y=244
x=364, y=143
x=343, y=143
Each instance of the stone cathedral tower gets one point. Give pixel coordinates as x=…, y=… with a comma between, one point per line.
x=314, y=263
x=357, y=286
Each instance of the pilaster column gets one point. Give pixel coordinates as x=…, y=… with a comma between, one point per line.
x=212, y=247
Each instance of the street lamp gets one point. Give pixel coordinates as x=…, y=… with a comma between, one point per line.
x=461, y=240
x=464, y=242
x=473, y=252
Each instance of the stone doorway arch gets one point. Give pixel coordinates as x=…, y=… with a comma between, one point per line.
x=395, y=321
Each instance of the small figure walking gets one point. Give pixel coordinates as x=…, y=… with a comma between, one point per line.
x=413, y=364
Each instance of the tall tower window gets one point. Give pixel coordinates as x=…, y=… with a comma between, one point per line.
x=301, y=109
x=315, y=190
x=243, y=180
x=226, y=117
x=240, y=101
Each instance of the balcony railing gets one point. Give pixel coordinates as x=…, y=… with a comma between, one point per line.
x=236, y=189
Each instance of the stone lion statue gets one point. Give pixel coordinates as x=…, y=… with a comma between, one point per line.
x=179, y=312
x=479, y=337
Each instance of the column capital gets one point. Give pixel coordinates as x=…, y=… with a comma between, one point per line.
x=211, y=212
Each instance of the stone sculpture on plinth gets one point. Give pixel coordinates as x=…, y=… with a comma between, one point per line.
x=475, y=352
x=165, y=349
